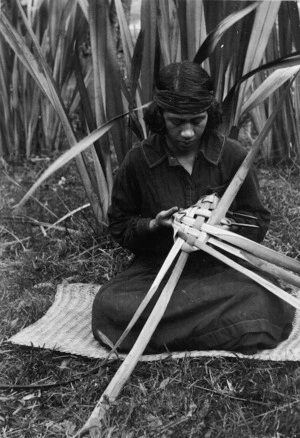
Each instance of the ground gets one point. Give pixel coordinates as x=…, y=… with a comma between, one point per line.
x=181, y=398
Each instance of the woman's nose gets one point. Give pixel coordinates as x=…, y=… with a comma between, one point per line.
x=187, y=132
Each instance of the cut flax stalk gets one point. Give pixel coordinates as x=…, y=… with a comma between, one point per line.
x=254, y=248
x=276, y=271
x=129, y=363
x=257, y=278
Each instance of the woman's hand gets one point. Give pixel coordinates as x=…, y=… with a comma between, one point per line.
x=163, y=219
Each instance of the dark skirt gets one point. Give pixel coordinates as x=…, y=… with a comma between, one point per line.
x=212, y=307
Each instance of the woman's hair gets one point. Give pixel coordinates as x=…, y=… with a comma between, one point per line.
x=183, y=87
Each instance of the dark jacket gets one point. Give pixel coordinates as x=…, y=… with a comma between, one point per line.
x=151, y=180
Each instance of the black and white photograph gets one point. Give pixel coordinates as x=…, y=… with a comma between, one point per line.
x=149, y=218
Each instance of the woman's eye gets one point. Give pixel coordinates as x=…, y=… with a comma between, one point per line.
x=175, y=123
x=197, y=121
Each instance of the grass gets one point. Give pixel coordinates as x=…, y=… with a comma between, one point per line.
x=205, y=397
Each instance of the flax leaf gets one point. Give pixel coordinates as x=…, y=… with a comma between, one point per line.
x=265, y=17
x=168, y=30
x=150, y=59
x=267, y=88
x=213, y=37
x=65, y=158
x=242, y=172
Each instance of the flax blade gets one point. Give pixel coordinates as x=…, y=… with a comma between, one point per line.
x=98, y=17
x=265, y=17
x=267, y=88
x=240, y=176
x=168, y=31
x=195, y=28
x=91, y=124
x=127, y=42
x=23, y=53
x=115, y=102
x=213, y=37
x=65, y=158
x=150, y=65
x=55, y=98
x=230, y=102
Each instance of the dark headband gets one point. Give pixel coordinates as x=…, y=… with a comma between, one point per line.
x=183, y=102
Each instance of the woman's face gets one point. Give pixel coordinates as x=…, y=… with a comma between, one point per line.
x=184, y=131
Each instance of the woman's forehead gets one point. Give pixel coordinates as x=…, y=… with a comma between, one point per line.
x=184, y=116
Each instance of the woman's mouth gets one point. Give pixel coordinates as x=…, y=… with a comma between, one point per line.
x=187, y=143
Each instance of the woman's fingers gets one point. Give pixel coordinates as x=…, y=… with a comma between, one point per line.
x=167, y=214
x=163, y=219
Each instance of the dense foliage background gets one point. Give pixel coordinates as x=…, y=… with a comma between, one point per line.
x=69, y=66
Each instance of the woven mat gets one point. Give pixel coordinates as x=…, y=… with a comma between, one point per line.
x=66, y=327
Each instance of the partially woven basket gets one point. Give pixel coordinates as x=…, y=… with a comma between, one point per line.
x=187, y=222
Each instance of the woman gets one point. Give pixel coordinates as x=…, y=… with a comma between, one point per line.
x=212, y=306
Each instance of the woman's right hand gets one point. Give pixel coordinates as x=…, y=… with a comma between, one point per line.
x=163, y=219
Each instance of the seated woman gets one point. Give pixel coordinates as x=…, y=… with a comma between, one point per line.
x=212, y=306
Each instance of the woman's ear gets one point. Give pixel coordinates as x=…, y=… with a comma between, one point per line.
x=154, y=119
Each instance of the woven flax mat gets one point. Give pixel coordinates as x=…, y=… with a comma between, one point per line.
x=66, y=327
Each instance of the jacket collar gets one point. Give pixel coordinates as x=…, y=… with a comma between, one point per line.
x=155, y=149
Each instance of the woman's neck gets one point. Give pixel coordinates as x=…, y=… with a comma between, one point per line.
x=186, y=158
x=187, y=161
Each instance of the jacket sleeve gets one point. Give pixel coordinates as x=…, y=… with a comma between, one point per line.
x=126, y=225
